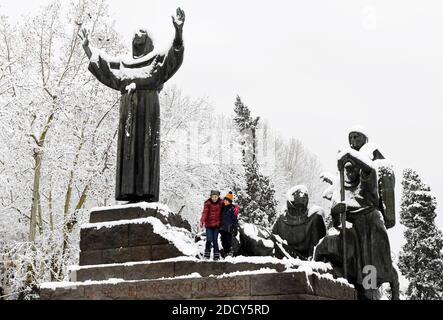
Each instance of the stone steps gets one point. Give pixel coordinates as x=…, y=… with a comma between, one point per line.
x=166, y=269
x=129, y=240
x=272, y=285
x=144, y=252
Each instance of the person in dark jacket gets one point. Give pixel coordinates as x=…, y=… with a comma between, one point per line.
x=211, y=218
x=229, y=223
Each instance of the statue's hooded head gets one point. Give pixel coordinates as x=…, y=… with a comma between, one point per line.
x=142, y=44
x=357, y=137
x=298, y=197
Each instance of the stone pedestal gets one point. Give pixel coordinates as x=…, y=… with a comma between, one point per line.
x=146, y=252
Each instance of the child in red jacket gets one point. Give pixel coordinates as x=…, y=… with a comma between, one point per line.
x=211, y=218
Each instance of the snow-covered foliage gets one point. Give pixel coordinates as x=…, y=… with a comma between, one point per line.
x=257, y=200
x=420, y=260
x=57, y=150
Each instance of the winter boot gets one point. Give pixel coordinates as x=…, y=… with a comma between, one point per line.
x=216, y=256
x=207, y=255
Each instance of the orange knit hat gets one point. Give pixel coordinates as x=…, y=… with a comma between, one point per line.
x=229, y=196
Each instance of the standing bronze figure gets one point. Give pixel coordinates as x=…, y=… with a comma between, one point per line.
x=139, y=79
x=358, y=140
x=367, y=240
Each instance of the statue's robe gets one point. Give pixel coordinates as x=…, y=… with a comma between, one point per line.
x=367, y=240
x=138, y=151
x=301, y=233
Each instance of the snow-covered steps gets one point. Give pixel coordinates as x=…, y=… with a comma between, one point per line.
x=133, y=240
x=143, y=251
x=259, y=284
x=181, y=266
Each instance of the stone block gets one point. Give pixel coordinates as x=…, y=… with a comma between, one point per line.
x=115, y=215
x=72, y=293
x=265, y=284
x=165, y=251
x=90, y=257
x=211, y=288
x=100, y=273
x=295, y=283
x=143, y=234
x=164, y=289
x=104, y=238
x=204, y=268
x=142, y=253
x=331, y=289
x=149, y=271
x=116, y=255
x=118, y=291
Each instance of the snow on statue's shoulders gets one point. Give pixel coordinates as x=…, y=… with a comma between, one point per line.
x=369, y=148
x=316, y=210
x=99, y=53
x=129, y=60
x=358, y=155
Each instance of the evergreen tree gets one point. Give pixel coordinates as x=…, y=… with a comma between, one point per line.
x=257, y=201
x=421, y=259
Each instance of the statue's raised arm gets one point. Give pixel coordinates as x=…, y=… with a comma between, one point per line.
x=178, y=21
x=84, y=36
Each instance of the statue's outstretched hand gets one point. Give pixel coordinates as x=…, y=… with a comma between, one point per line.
x=336, y=212
x=84, y=36
x=179, y=19
x=339, y=208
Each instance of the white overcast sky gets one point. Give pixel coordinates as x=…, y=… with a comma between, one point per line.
x=312, y=69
